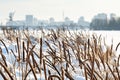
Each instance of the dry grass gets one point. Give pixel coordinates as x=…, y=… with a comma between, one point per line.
x=64, y=53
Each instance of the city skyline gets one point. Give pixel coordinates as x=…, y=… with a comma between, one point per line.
x=44, y=9
x=99, y=22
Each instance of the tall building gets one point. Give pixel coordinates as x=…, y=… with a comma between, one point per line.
x=29, y=20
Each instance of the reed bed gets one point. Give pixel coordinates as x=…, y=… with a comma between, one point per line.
x=57, y=55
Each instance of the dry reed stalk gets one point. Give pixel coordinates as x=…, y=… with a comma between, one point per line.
x=88, y=52
x=41, y=51
x=6, y=70
x=23, y=72
x=85, y=48
x=19, y=52
x=49, y=74
x=111, y=49
x=40, y=54
x=106, y=78
x=28, y=38
x=44, y=65
x=99, y=75
x=52, y=65
x=49, y=46
x=73, y=50
x=27, y=48
x=89, y=72
x=52, y=53
x=4, y=46
x=95, y=43
x=98, y=64
x=18, y=48
x=37, y=66
x=68, y=75
x=67, y=66
x=54, y=34
x=28, y=56
x=102, y=60
x=54, y=76
x=118, y=60
x=33, y=69
x=85, y=72
x=117, y=46
x=30, y=52
x=111, y=71
x=60, y=50
x=92, y=64
x=69, y=57
x=88, y=69
x=27, y=74
x=99, y=39
x=23, y=52
x=107, y=55
x=64, y=50
x=35, y=53
x=27, y=52
x=53, y=56
x=3, y=57
x=63, y=73
x=4, y=77
x=80, y=61
x=33, y=60
x=48, y=61
x=13, y=53
x=117, y=71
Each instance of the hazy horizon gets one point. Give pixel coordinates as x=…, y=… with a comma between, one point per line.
x=44, y=9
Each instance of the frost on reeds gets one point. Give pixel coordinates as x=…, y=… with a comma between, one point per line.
x=57, y=54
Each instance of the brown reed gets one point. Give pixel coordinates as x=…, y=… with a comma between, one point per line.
x=3, y=75
x=3, y=57
x=65, y=47
x=6, y=70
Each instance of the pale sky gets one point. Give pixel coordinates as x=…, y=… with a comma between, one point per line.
x=44, y=9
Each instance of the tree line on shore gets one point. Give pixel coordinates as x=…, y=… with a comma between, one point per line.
x=105, y=24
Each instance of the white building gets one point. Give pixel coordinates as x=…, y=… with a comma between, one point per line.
x=29, y=20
